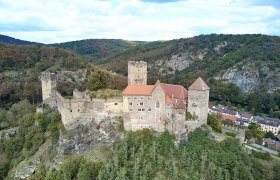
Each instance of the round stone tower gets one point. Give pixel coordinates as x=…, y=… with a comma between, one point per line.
x=48, y=81
x=137, y=73
x=198, y=100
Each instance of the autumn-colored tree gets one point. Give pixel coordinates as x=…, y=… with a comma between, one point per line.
x=98, y=80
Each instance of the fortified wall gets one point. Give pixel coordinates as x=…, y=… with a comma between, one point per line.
x=82, y=110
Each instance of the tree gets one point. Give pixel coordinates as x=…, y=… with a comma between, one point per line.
x=269, y=134
x=98, y=80
x=214, y=123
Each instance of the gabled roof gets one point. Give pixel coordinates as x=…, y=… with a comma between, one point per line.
x=199, y=85
x=144, y=90
x=171, y=91
x=175, y=91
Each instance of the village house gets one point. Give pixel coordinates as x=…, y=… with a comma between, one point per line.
x=267, y=124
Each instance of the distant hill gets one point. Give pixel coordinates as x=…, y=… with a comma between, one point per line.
x=11, y=40
x=98, y=48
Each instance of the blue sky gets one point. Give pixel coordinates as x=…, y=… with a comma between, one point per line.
x=50, y=21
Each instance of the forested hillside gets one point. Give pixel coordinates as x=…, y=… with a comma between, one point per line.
x=95, y=49
x=144, y=155
x=11, y=40
x=20, y=67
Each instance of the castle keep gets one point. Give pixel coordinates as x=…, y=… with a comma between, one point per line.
x=160, y=106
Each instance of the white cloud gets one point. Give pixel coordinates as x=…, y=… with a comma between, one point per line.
x=52, y=21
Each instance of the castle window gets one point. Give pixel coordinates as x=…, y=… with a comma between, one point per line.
x=135, y=98
x=130, y=110
x=157, y=104
x=139, y=109
x=116, y=104
x=141, y=103
x=143, y=109
x=130, y=103
x=149, y=109
x=70, y=110
x=78, y=110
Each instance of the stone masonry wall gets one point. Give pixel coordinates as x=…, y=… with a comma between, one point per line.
x=137, y=72
x=83, y=111
x=48, y=85
x=198, y=104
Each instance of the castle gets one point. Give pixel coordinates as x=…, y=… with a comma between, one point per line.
x=160, y=106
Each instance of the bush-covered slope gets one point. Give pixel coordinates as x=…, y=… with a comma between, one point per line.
x=97, y=48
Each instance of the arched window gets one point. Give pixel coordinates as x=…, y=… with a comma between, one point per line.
x=157, y=104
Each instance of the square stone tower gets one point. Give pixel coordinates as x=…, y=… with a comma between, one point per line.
x=198, y=100
x=137, y=73
x=49, y=82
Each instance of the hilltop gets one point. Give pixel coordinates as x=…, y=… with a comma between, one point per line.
x=11, y=40
x=95, y=49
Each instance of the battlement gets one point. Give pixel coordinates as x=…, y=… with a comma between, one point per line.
x=138, y=64
x=46, y=76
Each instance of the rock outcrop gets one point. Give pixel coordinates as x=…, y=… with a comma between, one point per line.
x=250, y=77
x=177, y=62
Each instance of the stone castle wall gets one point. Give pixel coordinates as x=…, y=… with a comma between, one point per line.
x=137, y=72
x=83, y=110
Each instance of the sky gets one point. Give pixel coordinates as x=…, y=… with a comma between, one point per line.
x=54, y=21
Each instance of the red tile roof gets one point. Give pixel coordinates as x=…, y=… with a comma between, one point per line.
x=144, y=90
x=228, y=117
x=168, y=99
x=175, y=91
x=170, y=90
x=199, y=84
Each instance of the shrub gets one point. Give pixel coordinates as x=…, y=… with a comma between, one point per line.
x=214, y=123
x=230, y=134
